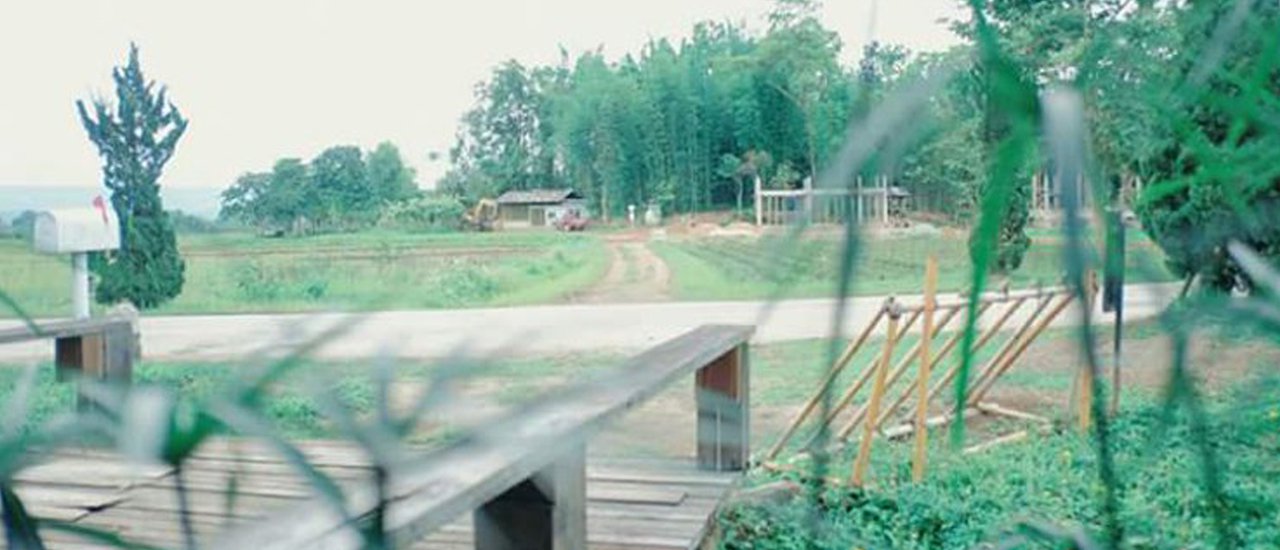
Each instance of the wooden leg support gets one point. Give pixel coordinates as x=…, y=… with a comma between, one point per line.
x=545, y=512
x=107, y=356
x=724, y=412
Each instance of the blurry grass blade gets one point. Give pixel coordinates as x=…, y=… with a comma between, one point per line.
x=96, y=535
x=146, y=423
x=21, y=532
x=13, y=306
x=16, y=412
x=249, y=423
x=252, y=390
x=1212, y=56
x=1256, y=267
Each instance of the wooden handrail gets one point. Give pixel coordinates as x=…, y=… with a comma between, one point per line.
x=546, y=436
x=55, y=330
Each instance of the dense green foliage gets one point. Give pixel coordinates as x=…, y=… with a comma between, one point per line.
x=341, y=189
x=974, y=499
x=687, y=125
x=1216, y=175
x=425, y=213
x=136, y=137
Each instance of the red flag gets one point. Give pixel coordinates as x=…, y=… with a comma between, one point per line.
x=101, y=205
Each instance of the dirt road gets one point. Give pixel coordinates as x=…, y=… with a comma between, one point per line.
x=635, y=273
x=504, y=331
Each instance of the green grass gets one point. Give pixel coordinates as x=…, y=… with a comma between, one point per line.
x=293, y=405
x=743, y=268
x=237, y=273
x=972, y=500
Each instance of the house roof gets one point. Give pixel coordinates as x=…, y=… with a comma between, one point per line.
x=538, y=196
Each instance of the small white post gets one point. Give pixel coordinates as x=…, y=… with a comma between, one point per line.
x=80, y=285
x=759, y=203
x=884, y=200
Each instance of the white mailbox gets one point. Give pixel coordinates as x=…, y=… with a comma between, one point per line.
x=73, y=230
x=78, y=231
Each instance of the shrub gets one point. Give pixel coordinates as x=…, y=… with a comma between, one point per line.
x=423, y=214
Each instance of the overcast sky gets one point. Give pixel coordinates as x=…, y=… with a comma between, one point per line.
x=264, y=79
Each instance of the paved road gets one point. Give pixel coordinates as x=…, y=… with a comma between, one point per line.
x=508, y=331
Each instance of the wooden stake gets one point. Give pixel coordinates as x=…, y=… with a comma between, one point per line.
x=894, y=375
x=922, y=411
x=853, y=390
x=877, y=391
x=1017, y=352
x=934, y=361
x=832, y=373
x=987, y=370
x=982, y=341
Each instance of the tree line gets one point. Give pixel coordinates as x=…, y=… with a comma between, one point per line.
x=1178, y=95
x=341, y=189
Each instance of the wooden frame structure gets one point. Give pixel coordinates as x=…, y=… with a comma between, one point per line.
x=1017, y=317
x=859, y=204
x=98, y=349
x=523, y=475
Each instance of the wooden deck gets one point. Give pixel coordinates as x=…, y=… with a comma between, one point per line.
x=632, y=503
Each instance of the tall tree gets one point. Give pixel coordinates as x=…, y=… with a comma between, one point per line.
x=136, y=136
x=389, y=177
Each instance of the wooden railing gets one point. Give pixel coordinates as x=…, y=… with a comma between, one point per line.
x=100, y=349
x=524, y=476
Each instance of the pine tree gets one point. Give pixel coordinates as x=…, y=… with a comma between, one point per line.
x=136, y=137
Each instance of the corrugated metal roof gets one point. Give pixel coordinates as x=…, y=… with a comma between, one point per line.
x=538, y=196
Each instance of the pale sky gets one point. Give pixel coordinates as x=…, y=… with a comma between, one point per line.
x=264, y=79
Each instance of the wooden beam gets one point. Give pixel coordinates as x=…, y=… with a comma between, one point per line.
x=877, y=391
x=986, y=445
x=988, y=407
x=722, y=391
x=1017, y=352
x=61, y=329
x=922, y=410
x=432, y=490
x=895, y=374
x=548, y=511
x=847, y=398
x=825, y=386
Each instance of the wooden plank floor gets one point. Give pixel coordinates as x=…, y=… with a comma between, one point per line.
x=632, y=503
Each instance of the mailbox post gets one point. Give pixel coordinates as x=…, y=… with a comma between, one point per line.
x=78, y=231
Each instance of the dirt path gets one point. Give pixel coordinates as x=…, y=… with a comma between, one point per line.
x=635, y=273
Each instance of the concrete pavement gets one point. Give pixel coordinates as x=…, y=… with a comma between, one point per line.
x=550, y=329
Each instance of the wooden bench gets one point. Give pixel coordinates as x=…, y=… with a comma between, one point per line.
x=523, y=476
x=99, y=349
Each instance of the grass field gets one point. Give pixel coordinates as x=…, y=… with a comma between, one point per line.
x=243, y=273
x=968, y=499
x=729, y=268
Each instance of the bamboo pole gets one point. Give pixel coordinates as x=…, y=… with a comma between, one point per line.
x=832, y=373
x=1017, y=352
x=922, y=412
x=877, y=391
x=982, y=341
x=847, y=397
x=897, y=373
x=1009, y=344
x=1086, y=372
x=934, y=362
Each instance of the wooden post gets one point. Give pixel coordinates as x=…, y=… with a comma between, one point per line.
x=105, y=356
x=884, y=200
x=858, y=196
x=895, y=374
x=759, y=206
x=548, y=511
x=1086, y=375
x=832, y=373
x=933, y=362
x=867, y=373
x=922, y=409
x=724, y=412
x=1023, y=344
x=877, y=391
